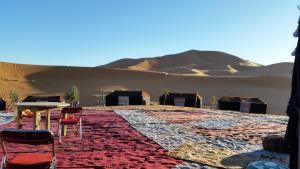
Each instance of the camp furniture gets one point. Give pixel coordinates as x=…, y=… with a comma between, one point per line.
x=28, y=113
x=70, y=116
x=27, y=160
x=36, y=108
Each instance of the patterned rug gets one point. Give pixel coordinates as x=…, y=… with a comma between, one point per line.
x=215, y=138
x=108, y=142
x=248, y=128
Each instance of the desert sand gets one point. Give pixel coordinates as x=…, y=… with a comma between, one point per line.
x=203, y=63
x=242, y=78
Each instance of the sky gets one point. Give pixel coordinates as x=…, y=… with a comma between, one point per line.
x=96, y=32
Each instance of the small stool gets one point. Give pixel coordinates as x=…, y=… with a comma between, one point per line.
x=275, y=143
x=29, y=114
x=265, y=165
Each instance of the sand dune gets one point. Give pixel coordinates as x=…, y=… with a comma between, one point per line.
x=29, y=79
x=203, y=63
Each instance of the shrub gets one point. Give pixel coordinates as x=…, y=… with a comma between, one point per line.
x=13, y=96
x=72, y=96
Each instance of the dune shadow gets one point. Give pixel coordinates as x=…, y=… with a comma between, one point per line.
x=56, y=80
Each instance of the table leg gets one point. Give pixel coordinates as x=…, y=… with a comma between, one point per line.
x=47, y=124
x=36, y=123
x=19, y=119
x=64, y=128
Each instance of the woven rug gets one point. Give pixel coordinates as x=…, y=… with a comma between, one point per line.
x=108, y=142
x=220, y=157
x=214, y=138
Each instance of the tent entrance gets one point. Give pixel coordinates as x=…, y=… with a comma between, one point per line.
x=123, y=100
x=179, y=101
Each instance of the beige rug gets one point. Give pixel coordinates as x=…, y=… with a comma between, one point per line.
x=216, y=157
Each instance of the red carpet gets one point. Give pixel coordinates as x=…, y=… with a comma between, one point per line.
x=108, y=142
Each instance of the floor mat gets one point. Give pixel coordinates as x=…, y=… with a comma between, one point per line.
x=108, y=142
x=213, y=138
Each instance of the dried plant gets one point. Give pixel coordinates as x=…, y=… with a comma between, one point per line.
x=166, y=92
x=213, y=102
x=72, y=96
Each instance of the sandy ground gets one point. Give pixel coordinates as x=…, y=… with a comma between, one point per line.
x=54, y=80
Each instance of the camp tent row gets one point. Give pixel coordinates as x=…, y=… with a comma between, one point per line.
x=242, y=104
x=121, y=98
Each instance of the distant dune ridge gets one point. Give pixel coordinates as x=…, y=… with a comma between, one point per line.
x=203, y=63
x=209, y=73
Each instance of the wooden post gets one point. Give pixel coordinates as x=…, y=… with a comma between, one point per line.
x=19, y=119
x=36, y=117
x=64, y=128
x=48, y=119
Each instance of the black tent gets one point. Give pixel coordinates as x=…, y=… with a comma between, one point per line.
x=2, y=105
x=243, y=104
x=42, y=99
x=292, y=132
x=119, y=98
x=181, y=99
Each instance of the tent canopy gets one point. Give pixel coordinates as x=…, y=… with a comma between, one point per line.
x=117, y=98
x=181, y=99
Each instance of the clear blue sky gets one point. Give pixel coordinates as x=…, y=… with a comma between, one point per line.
x=95, y=32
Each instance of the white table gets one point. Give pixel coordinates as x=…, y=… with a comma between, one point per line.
x=36, y=108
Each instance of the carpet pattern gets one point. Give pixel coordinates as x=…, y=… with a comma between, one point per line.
x=248, y=128
x=214, y=138
x=108, y=142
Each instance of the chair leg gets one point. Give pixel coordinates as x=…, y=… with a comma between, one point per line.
x=80, y=125
x=3, y=162
x=59, y=132
x=53, y=166
x=75, y=130
x=39, y=119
